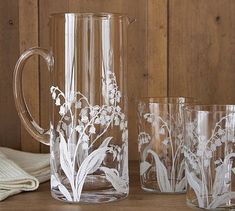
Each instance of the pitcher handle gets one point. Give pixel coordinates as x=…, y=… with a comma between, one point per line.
x=26, y=118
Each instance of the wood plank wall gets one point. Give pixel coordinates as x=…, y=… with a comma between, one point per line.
x=176, y=47
x=202, y=49
x=9, y=52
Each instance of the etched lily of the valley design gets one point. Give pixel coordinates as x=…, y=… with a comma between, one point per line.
x=86, y=105
x=160, y=147
x=209, y=154
x=81, y=154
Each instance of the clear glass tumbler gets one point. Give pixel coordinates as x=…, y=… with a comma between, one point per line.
x=210, y=155
x=88, y=133
x=160, y=142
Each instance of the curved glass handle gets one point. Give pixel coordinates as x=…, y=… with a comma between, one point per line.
x=26, y=118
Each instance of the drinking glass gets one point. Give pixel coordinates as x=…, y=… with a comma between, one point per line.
x=160, y=142
x=88, y=134
x=210, y=155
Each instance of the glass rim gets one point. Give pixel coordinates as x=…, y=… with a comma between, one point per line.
x=208, y=108
x=174, y=100
x=98, y=15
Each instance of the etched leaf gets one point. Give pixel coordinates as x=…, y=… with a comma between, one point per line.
x=65, y=192
x=144, y=166
x=180, y=186
x=146, y=150
x=162, y=176
x=221, y=200
x=220, y=177
x=218, y=184
x=56, y=183
x=196, y=186
x=65, y=160
x=76, y=155
x=181, y=170
x=113, y=177
x=100, y=160
x=89, y=165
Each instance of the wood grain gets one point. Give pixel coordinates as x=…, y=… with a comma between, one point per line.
x=138, y=200
x=176, y=47
x=9, y=52
x=157, y=47
x=202, y=49
x=28, y=37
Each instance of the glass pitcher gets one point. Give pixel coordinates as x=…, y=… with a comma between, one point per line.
x=88, y=134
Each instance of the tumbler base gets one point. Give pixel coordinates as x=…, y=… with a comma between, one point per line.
x=193, y=204
x=152, y=186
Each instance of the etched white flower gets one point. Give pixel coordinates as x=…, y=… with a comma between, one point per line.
x=213, y=147
x=53, y=95
x=201, y=147
x=116, y=121
x=57, y=102
x=190, y=127
x=208, y=154
x=118, y=108
x=81, y=153
x=165, y=142
x=109, y=108
x=93, y=113
x=220, y=132
x=110, y=87
x=125, y=135
x=78, y=104
x=111, y=101
x=64, y=126
x=96, y=107
x=218, y=142
x=97, y=120
x=180, y=136
x=79, y=128
x=62, y=110
x=223, y=139
x=92, y=130
x=52, y=89
x=85, y=119
x=107, y=118
x=162, y=131
x=102, y=120
x=217, y=162
x=122, y=116
x=85, y=138
x=122, y=125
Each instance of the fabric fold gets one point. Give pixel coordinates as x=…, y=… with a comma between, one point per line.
x=21, y=171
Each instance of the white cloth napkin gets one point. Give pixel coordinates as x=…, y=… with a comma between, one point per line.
x=21, y=171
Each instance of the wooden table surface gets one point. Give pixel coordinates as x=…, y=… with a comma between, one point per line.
x=138, y=200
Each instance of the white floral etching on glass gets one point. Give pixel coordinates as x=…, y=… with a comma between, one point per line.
x=83, y=142
x=168, y=169
x=210, y=178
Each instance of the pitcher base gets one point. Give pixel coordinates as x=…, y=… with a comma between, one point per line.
x=92, y=197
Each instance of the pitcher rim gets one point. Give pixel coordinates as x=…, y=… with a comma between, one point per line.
x=91, y=14
x=218, y=108
x=167, y=100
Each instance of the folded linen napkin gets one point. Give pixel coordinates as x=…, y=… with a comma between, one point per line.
x=21, y=171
